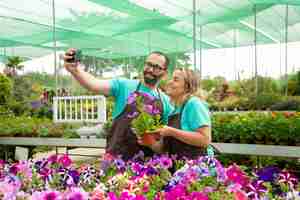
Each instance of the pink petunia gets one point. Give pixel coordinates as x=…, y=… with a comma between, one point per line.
x=65, y=160
x=236, y=175
x=77, y=194
x=51, y=195
x=52, y=159
x=239, y=195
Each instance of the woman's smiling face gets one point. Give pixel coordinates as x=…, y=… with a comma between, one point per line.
x=176, y=86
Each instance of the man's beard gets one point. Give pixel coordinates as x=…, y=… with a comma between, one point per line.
x=151, y=81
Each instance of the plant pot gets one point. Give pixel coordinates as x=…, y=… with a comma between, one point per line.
x=148, y=139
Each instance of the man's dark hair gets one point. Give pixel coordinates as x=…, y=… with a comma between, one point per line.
x=167, y=60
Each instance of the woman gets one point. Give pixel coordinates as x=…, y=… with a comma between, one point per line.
x=188, y=132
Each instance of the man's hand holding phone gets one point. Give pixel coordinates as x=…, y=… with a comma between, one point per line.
x=72, y=59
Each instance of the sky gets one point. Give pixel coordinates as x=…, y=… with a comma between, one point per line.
x=219, y=62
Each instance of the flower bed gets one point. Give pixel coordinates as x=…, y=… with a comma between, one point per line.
x=57, y=178
x=276, y=128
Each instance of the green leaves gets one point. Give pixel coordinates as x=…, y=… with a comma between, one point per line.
x=146, y=122
x=257, y=127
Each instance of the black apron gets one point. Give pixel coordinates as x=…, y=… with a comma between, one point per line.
x=176, y=147
x=121, y=140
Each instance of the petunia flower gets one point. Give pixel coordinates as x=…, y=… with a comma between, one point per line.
x=236, y=175
x=52, y=159
x=65, y=160
x=76, y=194
x=268, y=174
x=50, y=195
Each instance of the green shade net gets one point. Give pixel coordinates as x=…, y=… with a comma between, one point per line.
x=128, y=28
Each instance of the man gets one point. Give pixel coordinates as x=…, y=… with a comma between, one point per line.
x=121, y=140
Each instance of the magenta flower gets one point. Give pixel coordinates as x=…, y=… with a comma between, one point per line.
x=139, y=197
x=236, y=175
x=165, y=162
x=50, y=195
x=256, y=189
x=65, y=160
x=14, y=169
x=177, y=192
x=76, y=194
x=198, y=196
x=287, y=178
x=52, y=159
x=46, y=174
x=2, y=163
x=112, y=196
x=24, y=168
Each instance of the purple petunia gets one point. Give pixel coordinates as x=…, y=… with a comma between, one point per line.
x=73, y=177
x=132, y=98
x=148, y=109
x=268, y=174
x=132, y=115
x=256, y=189
x=120, y=164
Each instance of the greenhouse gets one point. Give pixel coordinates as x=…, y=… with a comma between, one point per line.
x=149, y=99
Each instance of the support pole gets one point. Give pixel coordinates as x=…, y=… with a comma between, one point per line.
x=255, y=52
x=54, y=46
x=200, y=57
x=286, y=49
x=234, y=54
x=194, y=34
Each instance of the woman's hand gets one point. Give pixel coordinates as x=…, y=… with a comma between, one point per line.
x=157, y=146
x=164, y=131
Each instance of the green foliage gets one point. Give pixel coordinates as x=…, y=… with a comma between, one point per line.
x=14, y=62
x=34, y=127
x=258, y=128
x=44, y=111
x=293, y=84
x=5, y=89
x=263, y=101
x=146, y=123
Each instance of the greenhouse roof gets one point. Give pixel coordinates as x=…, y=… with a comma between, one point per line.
x=125, y=28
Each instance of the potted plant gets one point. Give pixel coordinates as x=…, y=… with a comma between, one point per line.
x=146, y=120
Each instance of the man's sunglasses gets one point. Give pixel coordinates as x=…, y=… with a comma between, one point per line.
x=155, y=67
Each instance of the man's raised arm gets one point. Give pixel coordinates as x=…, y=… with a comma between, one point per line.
x=85, y=79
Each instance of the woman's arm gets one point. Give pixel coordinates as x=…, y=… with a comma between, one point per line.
x=201, y=137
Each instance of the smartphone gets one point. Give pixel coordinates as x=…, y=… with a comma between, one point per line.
x=77, y=56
